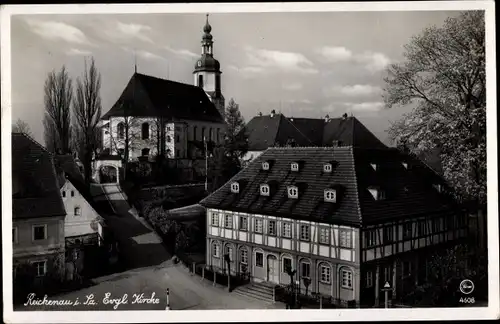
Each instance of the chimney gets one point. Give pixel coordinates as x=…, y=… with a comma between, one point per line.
x=291, y=119
x=260, y=114
x=327, y=118
x=344, y=116
x=273, y=112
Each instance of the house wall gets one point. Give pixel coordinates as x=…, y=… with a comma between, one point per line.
x=78, y=225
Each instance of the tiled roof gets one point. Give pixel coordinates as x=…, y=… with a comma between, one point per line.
x=35, y=184
x=151, y=96
x=266, y=131
x=409, y=192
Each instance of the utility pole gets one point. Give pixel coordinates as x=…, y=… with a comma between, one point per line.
x=206, y=163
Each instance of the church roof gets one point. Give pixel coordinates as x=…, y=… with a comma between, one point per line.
x=149, y=96
x=271, y=130
x=408, y=189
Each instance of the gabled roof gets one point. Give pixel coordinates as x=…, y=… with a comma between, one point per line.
x=35, y=184
x=266, y=131
x=408, y=191
x=148, y=96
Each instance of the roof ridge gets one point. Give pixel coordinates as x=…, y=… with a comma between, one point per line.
x=44, y=149
x=168, y=80
x=291, y=123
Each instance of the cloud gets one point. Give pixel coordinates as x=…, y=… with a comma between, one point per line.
x=78, y=52
x=125, y=32
x=353, y=90
x=365, y=106
x=144, y=54
x=55, y=30
x=182, y=52
x=335, y=54
x=269, y=60
x=372, y=61
x=292, y=86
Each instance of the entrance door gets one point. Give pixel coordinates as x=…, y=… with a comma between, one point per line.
x=272, y=269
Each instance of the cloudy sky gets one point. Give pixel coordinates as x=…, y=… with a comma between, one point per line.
x=304, y=64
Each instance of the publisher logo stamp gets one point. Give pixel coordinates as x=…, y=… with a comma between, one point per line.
x=466, y=287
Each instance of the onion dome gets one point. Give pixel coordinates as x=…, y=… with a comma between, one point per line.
x=207, y=63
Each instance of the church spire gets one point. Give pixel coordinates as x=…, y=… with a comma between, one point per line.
x=206, y=42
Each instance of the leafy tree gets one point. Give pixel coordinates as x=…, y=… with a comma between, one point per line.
x=236, y=140
x=20, y=126
x=58, y=90
x=87, y=112
x=444, y=76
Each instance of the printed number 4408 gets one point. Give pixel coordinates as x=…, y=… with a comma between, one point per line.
x=467, y=300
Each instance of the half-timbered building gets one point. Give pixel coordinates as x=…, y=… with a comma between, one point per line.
x=348, y=219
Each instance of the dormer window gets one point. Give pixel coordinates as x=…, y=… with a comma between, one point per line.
x=264, y=190
x=295, y=166
x=405, y=165
x=438, y=187
x=235, y=187
x=293, y=192
x=374, y=166
x=327, y=168
x=377, y=193
x=331, y=195
x=265, y=166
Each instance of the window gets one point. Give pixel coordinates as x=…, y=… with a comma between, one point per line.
x=305, y=270
x=169, y=139
x=377, y=193
x=294, y=166
x=215, y=219
x=228, y=221
x=203, y=134
x=145, y=131
x=369, y=279
x=258, y=225
x=271, y=230
x=200, y=80
x=77, y=211
x=304, y=232
x=325, y=273
x=264, y=190
x=381, y=195
x=259, y=259
x=177, y=139
x=235, y=187
x=345, y=238
x=346, y=277
x=244, y=256
x=145, y=152
x=370, y=237
x=64, y=194
x=438, y=187
x=121, y=131
x=388, y=235
x=72, y=193
x=293, y=192
x=14, y=235
x=330, y=195
x=195, y=128
x=265, y=166
x=327, y=168
x=287, y=230
x=243, y=223
x=421, y=228
x=287, y=264
x=435, y=225
x=324, y=235
x=229, y=252
x=216, y=250
x=374, y=166
x=407, y=231
x=39, y=232
x=40, y=268
x=217, y=82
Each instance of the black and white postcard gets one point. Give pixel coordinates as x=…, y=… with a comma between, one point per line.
x=249, y=162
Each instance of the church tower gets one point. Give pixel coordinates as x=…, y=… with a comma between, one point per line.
x=207, y=74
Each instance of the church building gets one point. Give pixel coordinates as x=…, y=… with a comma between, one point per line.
x=158, y=116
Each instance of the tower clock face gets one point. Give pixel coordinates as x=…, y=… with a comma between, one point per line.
x=199, y=63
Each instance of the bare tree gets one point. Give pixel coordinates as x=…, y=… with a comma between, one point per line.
x=58, y=96
x=20, y=126
x=87, y=113
x=52, y=142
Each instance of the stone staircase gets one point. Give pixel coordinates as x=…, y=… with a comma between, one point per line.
x=262, y=291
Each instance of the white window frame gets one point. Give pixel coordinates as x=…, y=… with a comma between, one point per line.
x=228, y=221
x=216, y=250
x=328, y=274
x=33, y=232
x=229, y=252
x=371, y=238
x=264, y=190
x=269, y=227
x=258, y=225
x=261, y=253
x=286, y=226
x=330, y=195
x=77, y=211
x=244, y=256
x=388, y=234
x=407, y=230
x=346, y=278
x=35, y=265
x=324, y=232
x=301, y=268
x=308, y=227
x=293, y=192
x=327, y=168
x=294, y=166
x=345, y=238
x=265, y=166
x=284, y=265
x=214, y=219
x=15, y=235
x=235, y=187
x=243, y=220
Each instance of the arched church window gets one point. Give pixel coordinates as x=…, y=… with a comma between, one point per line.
x=145, y=131
x=200, y=81
x=121, y=131
x=217, y=83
